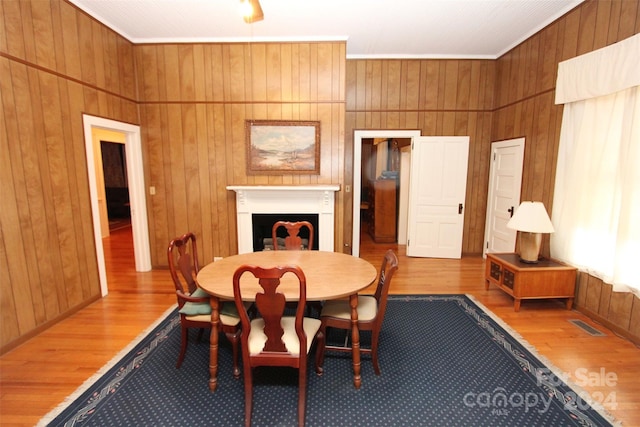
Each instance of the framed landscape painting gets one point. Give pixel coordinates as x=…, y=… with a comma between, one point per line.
x=283, y=147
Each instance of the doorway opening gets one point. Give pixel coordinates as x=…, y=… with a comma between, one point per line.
x=358, y=138
x=136, y=190
x=111, y=179
x=116, y=187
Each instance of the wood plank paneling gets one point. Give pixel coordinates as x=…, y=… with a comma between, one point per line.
x=30, y=375
x=592, y=25
x=191, y=101
x=198, y=146
x=49, y=79
x=618, y=311
x=534, y=114
x=439, y=97
x=512, y=97
x=71, y=49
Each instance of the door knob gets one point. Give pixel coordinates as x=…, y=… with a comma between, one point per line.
x=510, y=210
x=459, y=208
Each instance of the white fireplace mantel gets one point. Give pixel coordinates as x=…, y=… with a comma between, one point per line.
x=285, y=199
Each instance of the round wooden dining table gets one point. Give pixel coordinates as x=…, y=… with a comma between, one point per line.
x=329, y=275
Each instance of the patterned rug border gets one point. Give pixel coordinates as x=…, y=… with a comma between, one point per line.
x=532, y=370
x=86, y=385
x=461, y=299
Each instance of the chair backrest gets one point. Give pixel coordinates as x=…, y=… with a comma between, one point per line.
x=387, y=270
x=182, y=255
x=292, y=241
x=270, y=306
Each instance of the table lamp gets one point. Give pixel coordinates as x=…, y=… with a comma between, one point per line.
x=531, y=220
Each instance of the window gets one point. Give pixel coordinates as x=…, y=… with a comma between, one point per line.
x=596, y=206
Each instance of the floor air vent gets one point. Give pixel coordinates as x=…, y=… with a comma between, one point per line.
x=587, y=328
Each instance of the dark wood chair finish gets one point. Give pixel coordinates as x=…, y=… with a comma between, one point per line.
x=272, y=339
x=293, y=241
x=337, y=314
x=182, y=255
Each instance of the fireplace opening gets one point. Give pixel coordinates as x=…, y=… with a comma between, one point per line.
x=263, y=223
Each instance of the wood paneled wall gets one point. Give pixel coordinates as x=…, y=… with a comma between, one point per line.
x=56, y=63
x=438, y=97
x=191, y=101
x=525, y=92
x=195, y=99
x=619, y=311
x=525, y=95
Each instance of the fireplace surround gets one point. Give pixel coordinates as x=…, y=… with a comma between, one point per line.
x=285, y=199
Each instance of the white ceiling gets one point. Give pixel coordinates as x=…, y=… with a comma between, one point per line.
x=372, y=28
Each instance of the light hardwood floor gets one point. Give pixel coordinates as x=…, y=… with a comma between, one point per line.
x=39, y=374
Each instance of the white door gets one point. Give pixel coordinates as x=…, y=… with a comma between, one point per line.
x=436, y=196
x=403, y=196
x=505, y=181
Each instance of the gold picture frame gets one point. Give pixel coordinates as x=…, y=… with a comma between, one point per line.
x=279, y=147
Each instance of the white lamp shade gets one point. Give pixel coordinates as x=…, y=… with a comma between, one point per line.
x=531, y=217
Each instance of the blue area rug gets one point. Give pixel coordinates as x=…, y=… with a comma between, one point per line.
x=445, y=360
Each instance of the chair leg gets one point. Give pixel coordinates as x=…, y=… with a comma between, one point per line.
x=321, y=343
x=248, y=394
x=320, y=347
x=302, y=392
x=374, y=352
x=183, y=345
x=235, y=341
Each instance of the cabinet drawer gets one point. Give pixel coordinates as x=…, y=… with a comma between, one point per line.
x=509, y=278
x=496, y=271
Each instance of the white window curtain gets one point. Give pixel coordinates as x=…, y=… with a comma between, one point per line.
x=596, y=205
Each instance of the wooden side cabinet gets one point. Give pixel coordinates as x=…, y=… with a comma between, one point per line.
x=546, y=279
x=382, y=208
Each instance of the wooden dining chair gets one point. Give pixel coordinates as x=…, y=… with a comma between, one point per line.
x=292, y=241
x=371, y=310
x=272, y=339
x=193, y=303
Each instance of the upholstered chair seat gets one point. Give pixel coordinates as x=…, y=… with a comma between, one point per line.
x=270, y=338
x=340, y=309
x=225, y=319
x=257, y=337
x=371, y=309
x=194, y=306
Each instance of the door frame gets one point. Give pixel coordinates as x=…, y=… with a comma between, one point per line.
x=358, y=136
x=137, y=200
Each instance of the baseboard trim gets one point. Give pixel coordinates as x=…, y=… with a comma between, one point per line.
x=46, y=325
x=608, y=324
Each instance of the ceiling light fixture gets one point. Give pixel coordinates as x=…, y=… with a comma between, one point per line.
x=251, y=11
